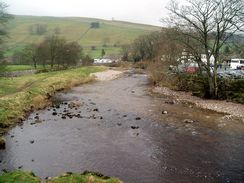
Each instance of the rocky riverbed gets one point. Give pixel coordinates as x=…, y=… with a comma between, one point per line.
x=229, y=108
x=121, y=129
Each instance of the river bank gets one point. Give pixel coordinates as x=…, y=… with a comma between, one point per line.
x=21, y=95
x=229, y=108
x=117, y=128
x=29, y=177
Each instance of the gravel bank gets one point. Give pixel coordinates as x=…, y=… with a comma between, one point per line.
x=107, y=75
x=230, y=108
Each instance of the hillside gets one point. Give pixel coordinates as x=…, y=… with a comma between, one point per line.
x=111, y=33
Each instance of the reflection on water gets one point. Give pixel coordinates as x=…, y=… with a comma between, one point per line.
x=118, y=129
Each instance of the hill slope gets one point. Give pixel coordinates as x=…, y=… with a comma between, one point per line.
x=112, y=33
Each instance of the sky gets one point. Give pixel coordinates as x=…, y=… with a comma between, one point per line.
x=139, y=11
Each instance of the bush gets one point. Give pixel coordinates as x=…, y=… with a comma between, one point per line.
x=141, y=65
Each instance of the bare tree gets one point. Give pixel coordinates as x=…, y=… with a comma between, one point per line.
x=210, y=23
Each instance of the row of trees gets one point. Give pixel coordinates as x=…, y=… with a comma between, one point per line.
x=53, y=51
x=42, y=29
x=205, y=26
x=198, y=27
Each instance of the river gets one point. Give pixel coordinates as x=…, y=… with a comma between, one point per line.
x=119, y=128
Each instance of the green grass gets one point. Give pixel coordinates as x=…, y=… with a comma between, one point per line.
x=10, y=68
x=72, y=29
x=19, y=177
x=29, y=177
x=20, y=94
x=109, y=50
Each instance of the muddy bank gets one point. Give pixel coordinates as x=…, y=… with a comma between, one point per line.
x=231, y=109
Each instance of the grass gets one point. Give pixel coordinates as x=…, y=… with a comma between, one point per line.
x=10, y=68
x=109, y=50
x=19, y=177
x=29, y=177
x=72, y=28
x=21, y=94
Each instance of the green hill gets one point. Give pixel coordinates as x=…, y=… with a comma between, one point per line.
x=112, y=33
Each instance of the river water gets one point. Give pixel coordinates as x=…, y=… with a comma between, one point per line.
x=117, y=128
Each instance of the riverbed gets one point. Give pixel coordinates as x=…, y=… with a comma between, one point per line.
x=120, y=129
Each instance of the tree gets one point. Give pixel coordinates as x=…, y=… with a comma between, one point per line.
x=103, y=53
x=87, y=60
x=209, y=24
x=30, y=54
x=53, y=44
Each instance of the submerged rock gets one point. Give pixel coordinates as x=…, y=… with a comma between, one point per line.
x=2, y=143
x=54, y=113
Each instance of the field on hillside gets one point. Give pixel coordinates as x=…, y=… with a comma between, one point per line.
x=111, y=33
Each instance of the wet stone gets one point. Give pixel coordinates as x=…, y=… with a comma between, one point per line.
x=134, y=127
x=54, y=113
x=164, y=112
x=170, y=102
x=2, y=143
x=188, y=121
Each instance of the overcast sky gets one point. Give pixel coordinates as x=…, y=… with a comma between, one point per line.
x=140, y=11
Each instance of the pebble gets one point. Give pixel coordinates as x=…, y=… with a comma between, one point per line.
x=134, y=127
x=138, y=118
x=188, y=121
x=55, y=113
x=165, y=112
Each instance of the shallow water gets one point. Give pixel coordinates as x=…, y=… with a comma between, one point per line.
x=119, y=130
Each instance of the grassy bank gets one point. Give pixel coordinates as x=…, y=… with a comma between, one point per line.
x=22, y=94
x=29, y=177
x=11, y=68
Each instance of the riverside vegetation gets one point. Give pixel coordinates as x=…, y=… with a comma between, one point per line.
x=22, y=94
x=29, y=177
